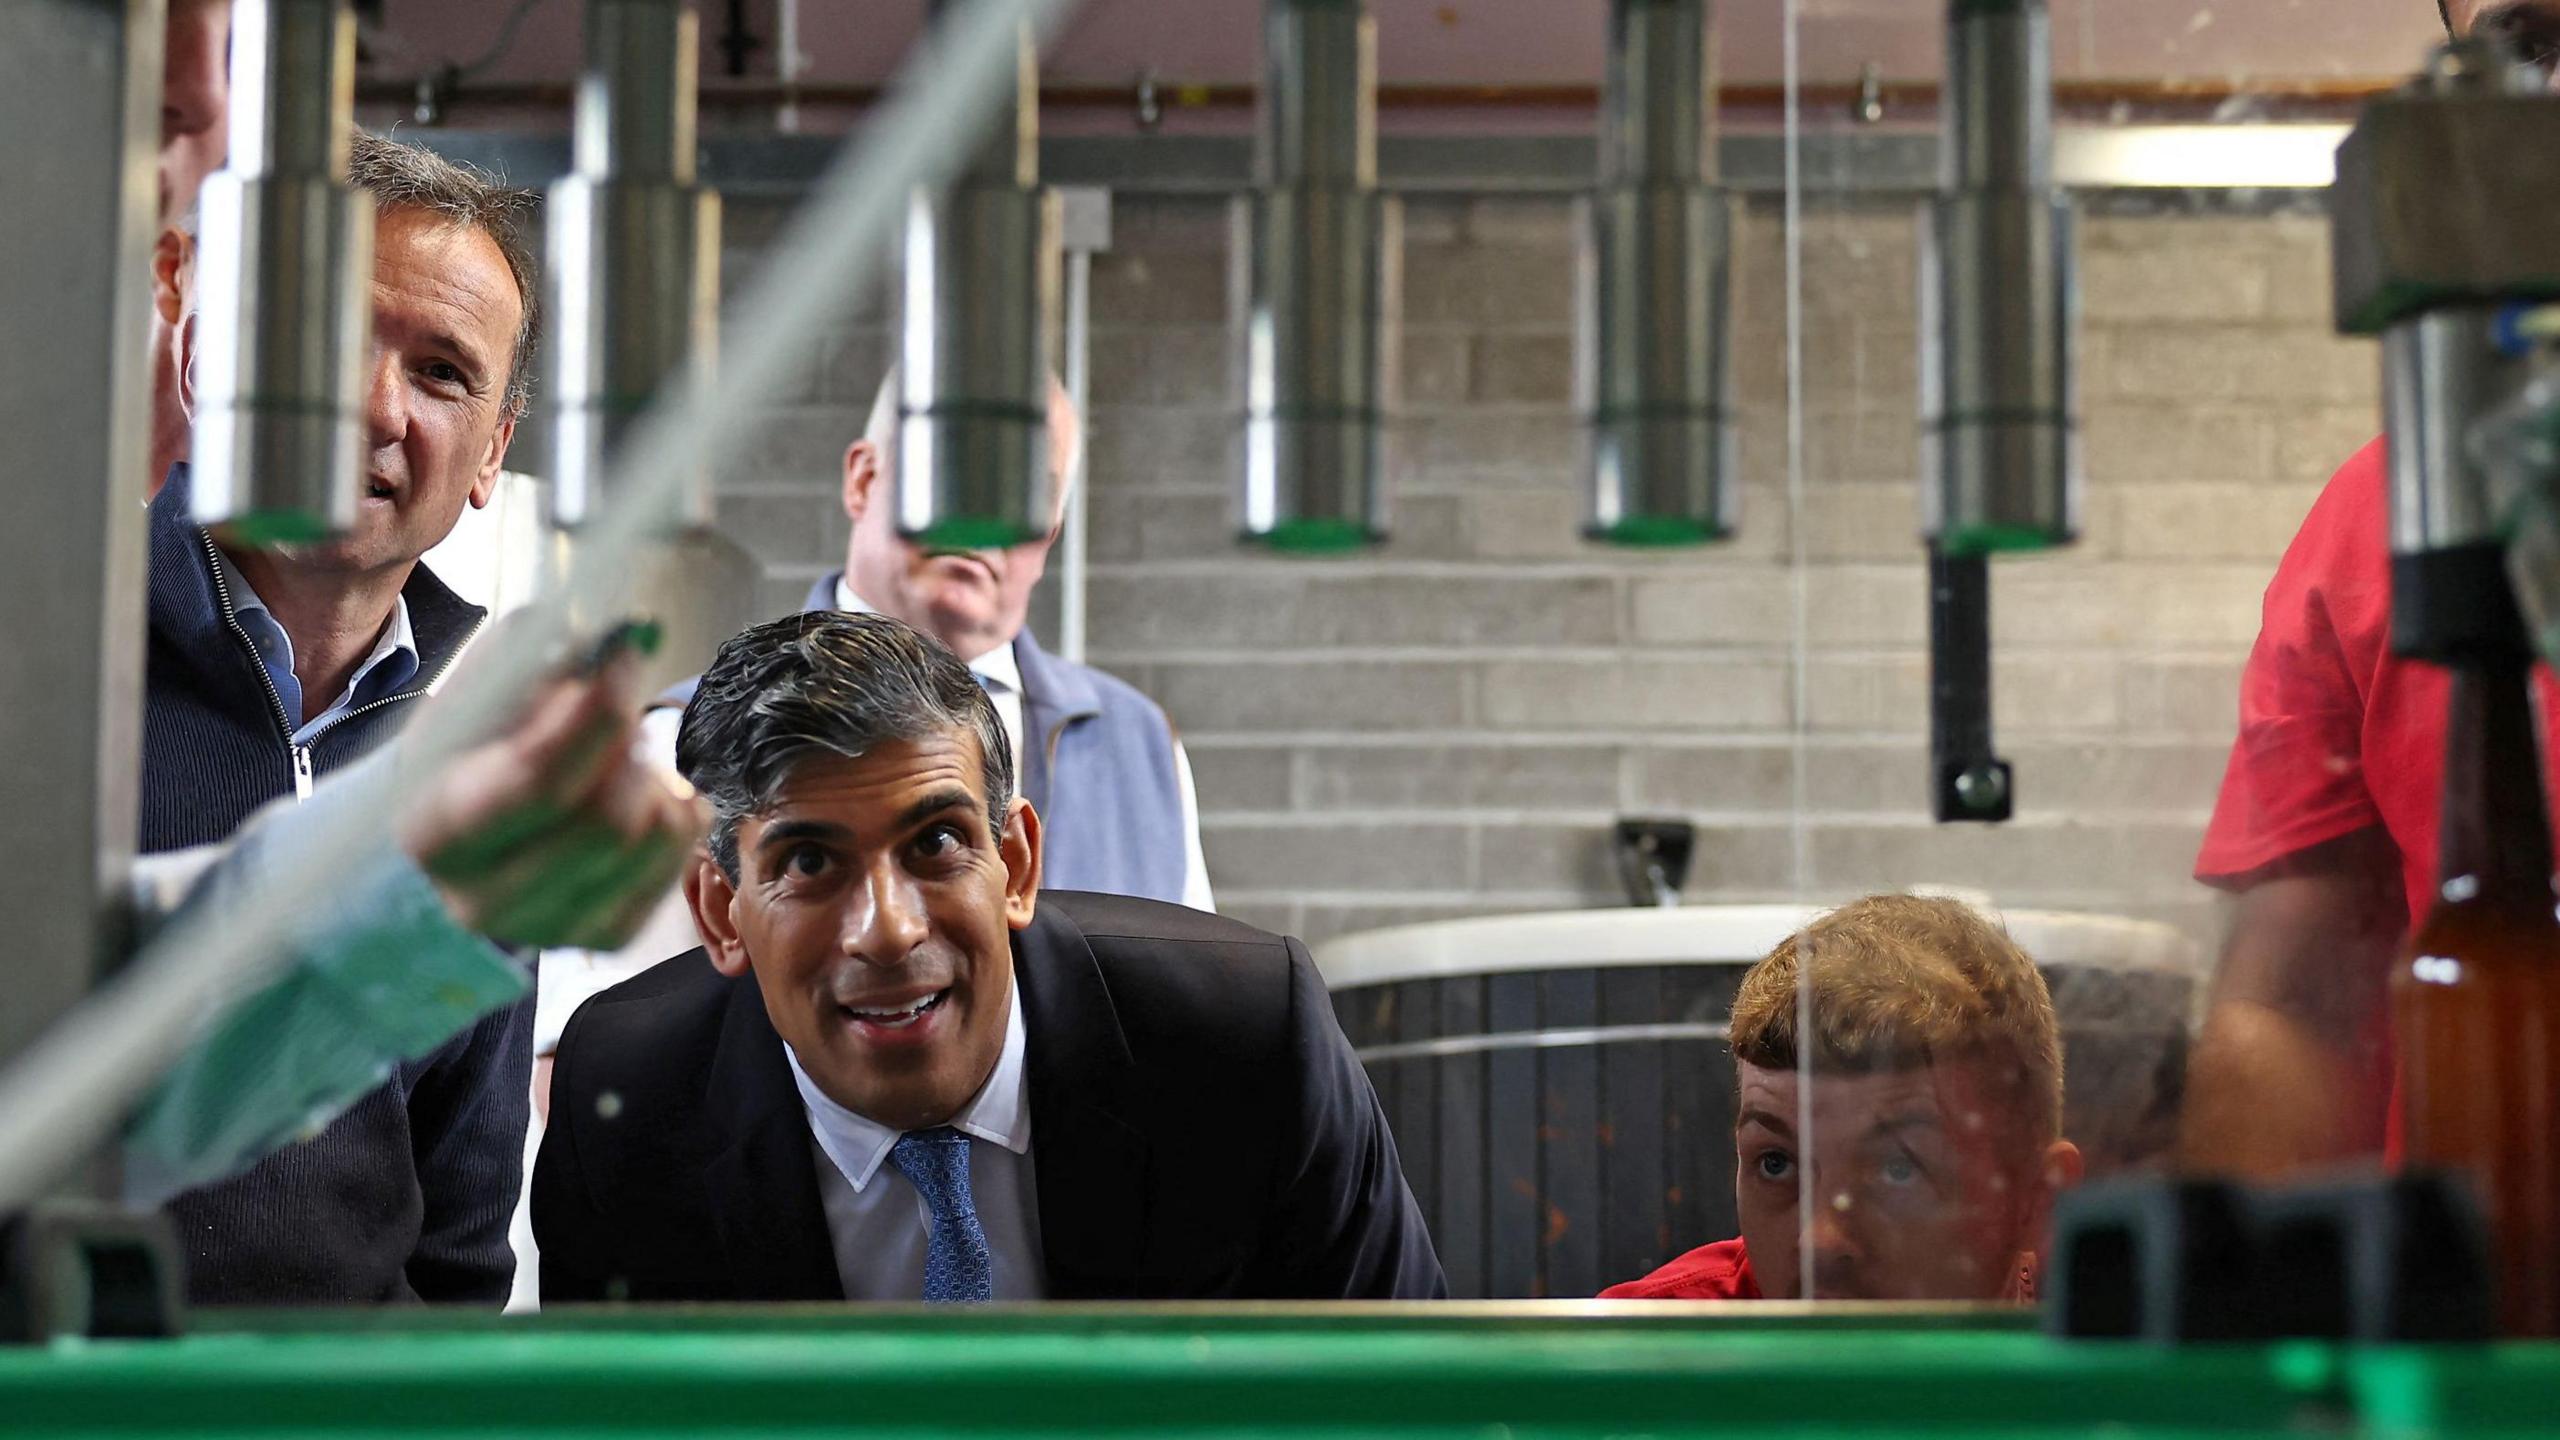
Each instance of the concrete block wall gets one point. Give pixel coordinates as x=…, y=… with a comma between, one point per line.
x=1448, y=725
x=779, y=495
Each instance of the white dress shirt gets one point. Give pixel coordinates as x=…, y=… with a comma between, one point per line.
x=501, y=555
x=877, y=1221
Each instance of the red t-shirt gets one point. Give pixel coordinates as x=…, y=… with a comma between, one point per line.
x=1711, y=1272
x=2337, y=734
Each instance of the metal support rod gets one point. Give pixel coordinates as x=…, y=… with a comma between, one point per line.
x=2000, y=442
x=788, y=61
x=1657, y=116
x=1969, y=780
x=634, y=272
x=1317, y=286
x=636, y=91
x=284, y=284
x=75, y=244
x=1999, y=98
x=1650, y=371
x=2442, y=371
x=978, y=333
x=1071, y=528
x=634, y=279
x=1086, y=229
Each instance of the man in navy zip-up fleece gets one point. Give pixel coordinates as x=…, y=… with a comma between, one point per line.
x=269, y=668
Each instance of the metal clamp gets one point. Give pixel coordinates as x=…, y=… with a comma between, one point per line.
x=77, y=1268
x=1968, y=779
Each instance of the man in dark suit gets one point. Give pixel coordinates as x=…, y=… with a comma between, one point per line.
x=897, y=1071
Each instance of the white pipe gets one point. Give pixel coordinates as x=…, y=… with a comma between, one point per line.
x=1071, y=537
x=788, y=63
x=68, y=1093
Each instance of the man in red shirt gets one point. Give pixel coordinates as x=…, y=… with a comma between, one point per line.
x=2326, y=824
x=1937, y=1112
x=2326, y=828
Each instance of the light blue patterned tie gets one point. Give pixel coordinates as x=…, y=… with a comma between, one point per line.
x=956, y=1266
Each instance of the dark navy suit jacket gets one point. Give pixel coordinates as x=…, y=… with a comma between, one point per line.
x=1200, y=1129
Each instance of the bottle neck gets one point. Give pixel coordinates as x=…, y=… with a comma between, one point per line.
x=2495, y=829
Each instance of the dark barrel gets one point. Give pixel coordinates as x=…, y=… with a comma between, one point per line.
x=1562, y=1095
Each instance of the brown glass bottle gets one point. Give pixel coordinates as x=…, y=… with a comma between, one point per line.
x=2477, y=995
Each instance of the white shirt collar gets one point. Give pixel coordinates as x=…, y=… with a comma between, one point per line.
x=1000, y=1113
x=396, y=636
x=996, y=666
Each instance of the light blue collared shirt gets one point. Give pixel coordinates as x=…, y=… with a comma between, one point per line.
x=393, y=663
x=878, y=1222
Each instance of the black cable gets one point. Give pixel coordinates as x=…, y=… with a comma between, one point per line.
x=737, y=41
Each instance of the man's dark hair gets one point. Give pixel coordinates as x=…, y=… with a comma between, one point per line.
x=825, y=683
x=405, y=176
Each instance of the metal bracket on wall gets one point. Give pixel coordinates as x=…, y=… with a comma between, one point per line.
x=1653, y=858
x=1968, y=781
x=80, y=1269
